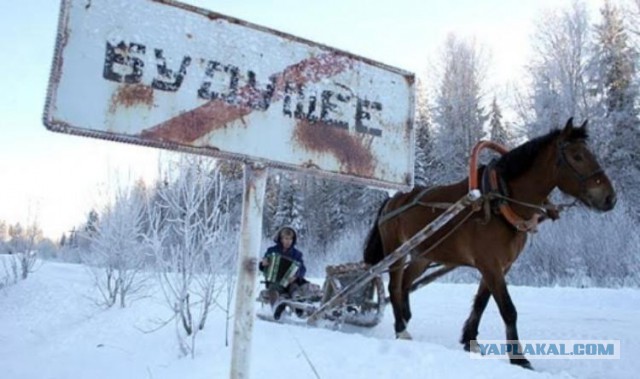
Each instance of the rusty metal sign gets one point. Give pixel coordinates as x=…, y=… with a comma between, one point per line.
x=165, y=74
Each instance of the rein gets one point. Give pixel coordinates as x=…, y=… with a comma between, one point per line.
x=416, y=201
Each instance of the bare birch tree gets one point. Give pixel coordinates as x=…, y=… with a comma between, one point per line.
x=188, y=235
x=557, y=70
x=22, y=246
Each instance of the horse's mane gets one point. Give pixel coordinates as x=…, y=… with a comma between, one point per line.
x=520, y=159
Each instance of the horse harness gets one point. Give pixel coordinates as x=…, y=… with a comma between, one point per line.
x=416, y=201
x=496, y=199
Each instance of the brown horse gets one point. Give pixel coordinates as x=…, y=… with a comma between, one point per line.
x=519, y=181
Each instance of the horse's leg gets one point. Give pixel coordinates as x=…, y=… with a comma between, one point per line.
x=411, y=273
x=397, y=301
x=494, y=280
x=470, y=329
x=406, y=307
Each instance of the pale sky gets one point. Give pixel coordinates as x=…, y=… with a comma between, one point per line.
x=57, y=178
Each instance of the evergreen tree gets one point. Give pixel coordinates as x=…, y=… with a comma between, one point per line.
x=72, y=240
x=498, y=131
x=289, y=210
x=458, y=113
x=614, y=84
x=92, y=221
x=424, y=161
x=271, y=197
x=233, y=177
x=613, y=69
x=4, y=232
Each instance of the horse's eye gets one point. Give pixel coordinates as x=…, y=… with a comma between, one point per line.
x=598, y=181
x=577, y=157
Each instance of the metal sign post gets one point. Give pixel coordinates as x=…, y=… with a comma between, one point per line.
x=255, y=180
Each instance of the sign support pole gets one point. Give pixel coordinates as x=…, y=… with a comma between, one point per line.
x=255, y=180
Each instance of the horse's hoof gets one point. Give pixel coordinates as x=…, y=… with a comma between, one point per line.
x=528, y=366
x=523, y=363
x=403, y=335
x=467, y=347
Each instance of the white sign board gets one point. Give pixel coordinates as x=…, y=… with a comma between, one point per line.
x=169, y=75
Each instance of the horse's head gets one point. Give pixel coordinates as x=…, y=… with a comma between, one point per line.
x=579, y=173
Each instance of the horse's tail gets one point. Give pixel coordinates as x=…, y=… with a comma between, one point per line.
x=373, y=252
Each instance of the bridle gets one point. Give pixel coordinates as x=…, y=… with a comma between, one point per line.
x=562, y=160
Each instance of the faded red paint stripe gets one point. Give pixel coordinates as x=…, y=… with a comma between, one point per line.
x=196, y=123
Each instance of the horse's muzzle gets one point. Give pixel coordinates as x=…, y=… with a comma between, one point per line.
x=602, y=203
x=610, y=202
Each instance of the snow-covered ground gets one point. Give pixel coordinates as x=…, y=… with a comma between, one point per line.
x=50, y=328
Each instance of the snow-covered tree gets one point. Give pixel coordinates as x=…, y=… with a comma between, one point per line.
x=615, y=85
x=63, y=240
x=424, y=161
x=82, y=236
x=633, y=10
x=117, y=254
x=4, y=232
x=497, y=129
x=92, y=221
x=22, y=244
x=290, y=208
x=458, y=114
x=557, y=70
x=614, y=65
x=190, y=237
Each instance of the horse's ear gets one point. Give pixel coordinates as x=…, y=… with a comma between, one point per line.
x=584, y=124
x=566, y=132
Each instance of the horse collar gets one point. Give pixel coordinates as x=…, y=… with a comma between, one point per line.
x=493, y=183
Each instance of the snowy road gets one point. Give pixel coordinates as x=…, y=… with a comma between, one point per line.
x=52, y=329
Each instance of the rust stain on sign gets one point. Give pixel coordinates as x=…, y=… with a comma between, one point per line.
x=354, y=157
x=314, y=69
x=62, y=40
x=215, y=114
x=131, y=95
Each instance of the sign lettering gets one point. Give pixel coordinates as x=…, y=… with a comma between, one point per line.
x=125, y=63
